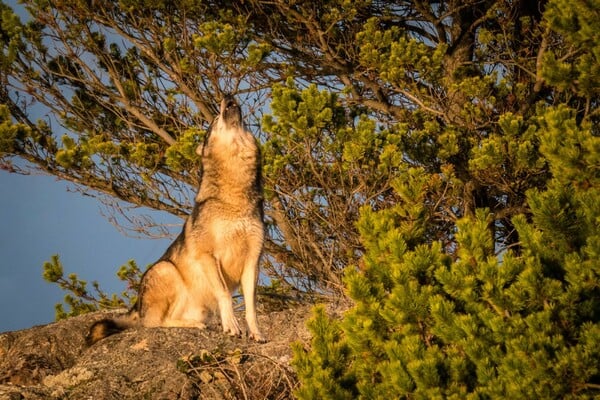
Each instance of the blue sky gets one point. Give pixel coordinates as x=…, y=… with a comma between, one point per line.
x=39, y=218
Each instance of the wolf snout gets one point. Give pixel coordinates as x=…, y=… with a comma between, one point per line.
x=228, y=102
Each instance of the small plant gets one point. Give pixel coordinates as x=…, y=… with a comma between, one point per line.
x=80, y=300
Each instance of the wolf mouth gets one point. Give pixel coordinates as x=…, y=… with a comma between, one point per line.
x=231, y=111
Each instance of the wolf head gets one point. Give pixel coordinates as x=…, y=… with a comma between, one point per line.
x=228, y=123
x=231, y=113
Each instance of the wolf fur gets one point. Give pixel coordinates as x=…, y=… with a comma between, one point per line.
x=219, y=247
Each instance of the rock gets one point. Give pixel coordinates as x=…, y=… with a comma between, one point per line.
x=53, y=362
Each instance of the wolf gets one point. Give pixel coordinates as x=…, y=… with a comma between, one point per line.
x=219, y=247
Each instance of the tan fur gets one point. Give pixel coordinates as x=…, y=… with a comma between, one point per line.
x=219, y=247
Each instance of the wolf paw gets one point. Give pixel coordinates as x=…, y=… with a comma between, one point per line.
x=232, y=329
x=201, y=325
x=233, y=333
x=257, y=337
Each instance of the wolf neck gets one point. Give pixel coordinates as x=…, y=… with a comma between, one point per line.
x=230, y=166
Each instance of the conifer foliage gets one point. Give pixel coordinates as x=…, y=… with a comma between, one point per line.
x=484, y=315
x=524, y=323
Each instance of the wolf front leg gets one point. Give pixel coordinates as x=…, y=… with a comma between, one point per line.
x=215, y=281
x=249, y=282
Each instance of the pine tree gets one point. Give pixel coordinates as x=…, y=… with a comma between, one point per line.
x=482, y=280
x=522, y=323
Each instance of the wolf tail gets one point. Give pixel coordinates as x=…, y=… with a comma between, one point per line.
x=109, y=326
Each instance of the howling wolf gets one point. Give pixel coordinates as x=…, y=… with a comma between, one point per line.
x=220, y=244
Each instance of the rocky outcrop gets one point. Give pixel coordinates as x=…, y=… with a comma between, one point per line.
x=53, y=361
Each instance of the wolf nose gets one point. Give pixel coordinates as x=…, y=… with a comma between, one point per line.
x=228, y=101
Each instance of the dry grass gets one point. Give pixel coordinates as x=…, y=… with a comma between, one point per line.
x=239, y=375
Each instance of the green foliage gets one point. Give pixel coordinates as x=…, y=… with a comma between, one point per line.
x=326, y=365
x=182, y=156
x=574, y=66
x=398, y=56
x=312, y=147
x=80, y=300
x=510, y=156
x=10, y=133
x=474, y=323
